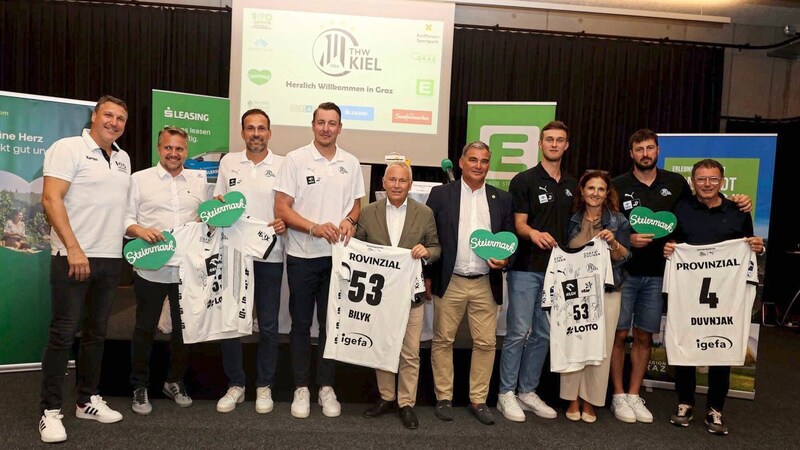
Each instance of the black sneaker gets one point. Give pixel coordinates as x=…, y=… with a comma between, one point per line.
x=714, y=422
x=444, y=410
x=141, y=404
x=682, y=416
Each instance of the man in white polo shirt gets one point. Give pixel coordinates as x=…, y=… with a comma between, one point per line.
x=162, y=197
x=86, y=180
x=253, y=172
x=318, y=195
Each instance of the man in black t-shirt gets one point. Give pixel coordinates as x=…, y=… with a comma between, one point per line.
x=542, y=199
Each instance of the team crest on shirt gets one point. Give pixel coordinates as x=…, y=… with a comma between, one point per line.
x=269, y=173
x=665, y=192
x=311, y=179
x=121, y=166
x=568, y=192
x=342, y=170
x=233, y=182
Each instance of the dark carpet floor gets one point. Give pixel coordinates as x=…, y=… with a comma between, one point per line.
x=770, y=421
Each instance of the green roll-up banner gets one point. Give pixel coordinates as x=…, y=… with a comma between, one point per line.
x=29, y=124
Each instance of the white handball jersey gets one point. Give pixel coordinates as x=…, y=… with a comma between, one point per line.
x=711, y=291
x=371, y=290
x=216, y=277
x=574, y=285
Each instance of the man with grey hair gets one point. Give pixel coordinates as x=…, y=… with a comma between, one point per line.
x=465, y=283
x=400, y=221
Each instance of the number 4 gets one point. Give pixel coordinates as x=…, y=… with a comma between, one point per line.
x=708, y=298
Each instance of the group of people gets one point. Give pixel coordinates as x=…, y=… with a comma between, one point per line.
x=312, y=199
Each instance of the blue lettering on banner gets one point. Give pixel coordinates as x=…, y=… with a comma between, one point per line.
x=366, y=113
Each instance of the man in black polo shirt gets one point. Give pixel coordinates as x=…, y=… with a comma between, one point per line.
x=542, y=199
x=642, y=302
x=708, y=218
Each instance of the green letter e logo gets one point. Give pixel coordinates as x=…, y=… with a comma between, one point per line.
x=514, y=149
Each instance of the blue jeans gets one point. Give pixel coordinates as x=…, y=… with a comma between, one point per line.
x=528, y=334
x=267, y=293
x=642, y=304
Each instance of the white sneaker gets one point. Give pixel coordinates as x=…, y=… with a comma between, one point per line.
x=327, y=399
x=509, y=407
x=177, y=392
x=98, y=410
x=228, y=402
x=621, y=409
x=531, y=402
x=301, y=406
x=264, y=402
x=640, y=411
x=50, y=427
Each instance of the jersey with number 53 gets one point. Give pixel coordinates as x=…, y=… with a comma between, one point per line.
x=711, y=291
x=371, y=290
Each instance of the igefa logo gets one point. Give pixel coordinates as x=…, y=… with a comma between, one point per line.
x=514, y=149
x=356, y=339
x=336, y=52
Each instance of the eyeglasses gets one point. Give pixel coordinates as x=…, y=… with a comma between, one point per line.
x=708, y=180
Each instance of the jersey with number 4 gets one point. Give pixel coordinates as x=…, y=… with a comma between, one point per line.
x=216, y=277
x=711, y=291
x=371, y=290
x=574, y=285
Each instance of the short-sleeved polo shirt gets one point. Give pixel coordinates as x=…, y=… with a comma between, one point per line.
x=323, y=191
x=255, y=182
x=548, y=204
x=97, y=197
x=662, y=195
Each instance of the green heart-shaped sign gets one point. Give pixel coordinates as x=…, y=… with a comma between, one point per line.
x=259, y=77
x=497, y=246
x=645, y=221
x=218, y=214
x=144, y=255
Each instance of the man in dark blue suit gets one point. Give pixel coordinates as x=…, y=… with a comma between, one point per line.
x=464, y=281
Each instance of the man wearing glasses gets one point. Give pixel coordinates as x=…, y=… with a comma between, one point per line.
x=642, y=303
x=707, y=218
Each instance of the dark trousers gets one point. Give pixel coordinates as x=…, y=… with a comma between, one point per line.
x=267, y=293
x=309, y=280
x=149, y=300
x=719, y=380
x=68, y=299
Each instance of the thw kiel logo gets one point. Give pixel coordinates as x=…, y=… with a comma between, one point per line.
x=330, y=51
x=336, y=53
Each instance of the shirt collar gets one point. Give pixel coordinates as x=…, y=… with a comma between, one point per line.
x=162, y=172
x=389, y=205
x=267, y=160
x=87, y=138
x=317, y=155
x=468, y=190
